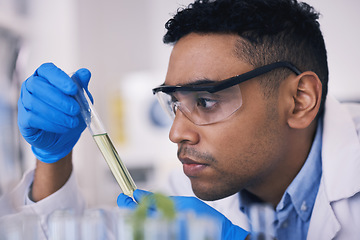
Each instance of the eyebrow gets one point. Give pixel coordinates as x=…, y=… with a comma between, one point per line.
x=200, y=82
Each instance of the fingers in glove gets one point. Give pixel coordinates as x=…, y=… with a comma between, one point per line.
x=124, y=201
x=139, y=194
x=30, y=122
x=83, y=76
x=42, y=110
x=57, y=78
x=36, y=89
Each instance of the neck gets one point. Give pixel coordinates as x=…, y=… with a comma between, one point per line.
x=271, y=188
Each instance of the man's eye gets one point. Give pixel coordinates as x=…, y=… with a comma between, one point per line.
x=173, y=105
x=206, y=103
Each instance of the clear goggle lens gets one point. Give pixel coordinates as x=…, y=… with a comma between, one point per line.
x=202, y=107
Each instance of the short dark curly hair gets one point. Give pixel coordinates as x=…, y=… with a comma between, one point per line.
x=270, y=31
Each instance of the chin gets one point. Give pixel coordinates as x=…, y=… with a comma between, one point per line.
x=209, y=194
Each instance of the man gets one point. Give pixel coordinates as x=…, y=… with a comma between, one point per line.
x=247, y=88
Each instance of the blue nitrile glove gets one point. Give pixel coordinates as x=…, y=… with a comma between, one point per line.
x=229, y=230
x=48, y=116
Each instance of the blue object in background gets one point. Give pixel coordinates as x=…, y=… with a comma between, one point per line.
x=157, y=115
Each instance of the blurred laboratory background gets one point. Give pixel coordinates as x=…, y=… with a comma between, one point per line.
x=120, y=41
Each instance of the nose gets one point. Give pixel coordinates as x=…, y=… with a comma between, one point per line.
x=183, y=130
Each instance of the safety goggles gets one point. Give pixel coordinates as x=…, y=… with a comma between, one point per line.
x=205, y=102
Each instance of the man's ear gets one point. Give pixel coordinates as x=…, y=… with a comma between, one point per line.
x=306, y=94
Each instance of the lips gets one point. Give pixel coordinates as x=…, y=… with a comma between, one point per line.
x=192, y=168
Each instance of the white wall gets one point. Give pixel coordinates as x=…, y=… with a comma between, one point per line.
x=340, y=25
x=115, y=38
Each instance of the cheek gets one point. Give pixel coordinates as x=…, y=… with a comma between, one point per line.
x=231, y=145
x=238, y=134
x=244, y=149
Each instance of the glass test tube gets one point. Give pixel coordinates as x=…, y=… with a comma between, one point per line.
x=103, y=141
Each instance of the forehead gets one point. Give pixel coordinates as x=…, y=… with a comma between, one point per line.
x=204, y=56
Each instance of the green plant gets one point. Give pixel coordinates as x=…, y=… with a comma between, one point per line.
x=153, y=202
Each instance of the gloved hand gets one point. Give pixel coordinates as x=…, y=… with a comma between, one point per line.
x=229, y=230
x=48, y=116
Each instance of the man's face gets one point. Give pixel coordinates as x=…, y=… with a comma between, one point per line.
x=242, y=151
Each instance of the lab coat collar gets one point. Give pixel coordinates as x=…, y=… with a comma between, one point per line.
x=340, y=152
x=323, y=222
x=341, y=167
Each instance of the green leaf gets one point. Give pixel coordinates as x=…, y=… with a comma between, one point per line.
x=163, y=204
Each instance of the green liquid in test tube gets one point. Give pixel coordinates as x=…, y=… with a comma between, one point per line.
x=103, y=141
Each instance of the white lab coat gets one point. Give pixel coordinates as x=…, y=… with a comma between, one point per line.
x=336, y=213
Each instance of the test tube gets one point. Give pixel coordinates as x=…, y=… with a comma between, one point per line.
x=103, y=141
